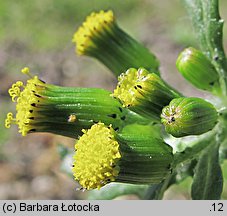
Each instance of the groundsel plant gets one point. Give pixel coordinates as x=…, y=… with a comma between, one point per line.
x=134, y=137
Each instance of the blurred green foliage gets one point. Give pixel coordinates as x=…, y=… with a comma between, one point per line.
x=49, y=24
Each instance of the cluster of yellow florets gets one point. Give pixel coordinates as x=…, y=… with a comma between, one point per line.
x=97, y=153
x=131, y=85
x=25, y=98
x=94, y=24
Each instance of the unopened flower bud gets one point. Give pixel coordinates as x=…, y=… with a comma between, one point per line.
x=197, y=69
x=188, y=116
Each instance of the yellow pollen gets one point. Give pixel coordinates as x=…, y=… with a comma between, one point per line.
x=95, y=23
x=96, y=157
x=131, y=84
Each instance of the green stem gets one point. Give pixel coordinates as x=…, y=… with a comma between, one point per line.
x=165, y=186
x=156, y=191
x=196, y=148
x=217, y=135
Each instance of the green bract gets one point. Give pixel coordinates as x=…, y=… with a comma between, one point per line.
x=188, y=116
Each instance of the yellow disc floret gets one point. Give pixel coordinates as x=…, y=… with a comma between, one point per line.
x=96, y=157
x=26, y=97
x=131, y=85
x=94, y=24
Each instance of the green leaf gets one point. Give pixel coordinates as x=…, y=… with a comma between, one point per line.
x=208, y=180
x=223, y=151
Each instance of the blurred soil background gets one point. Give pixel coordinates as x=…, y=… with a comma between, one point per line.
x=38, y=34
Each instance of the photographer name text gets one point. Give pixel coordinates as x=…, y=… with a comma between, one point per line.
x=40, y=207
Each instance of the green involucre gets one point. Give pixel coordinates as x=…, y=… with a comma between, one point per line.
x=42, y=107
x=146, y=158
x=130, y=156
x=100, y=37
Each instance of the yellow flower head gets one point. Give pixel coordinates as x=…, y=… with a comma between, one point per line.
x=42, y=107
x=96, y=157
x=27, y=98
x=92, y=27
x=133, y=155
x=132, y=84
